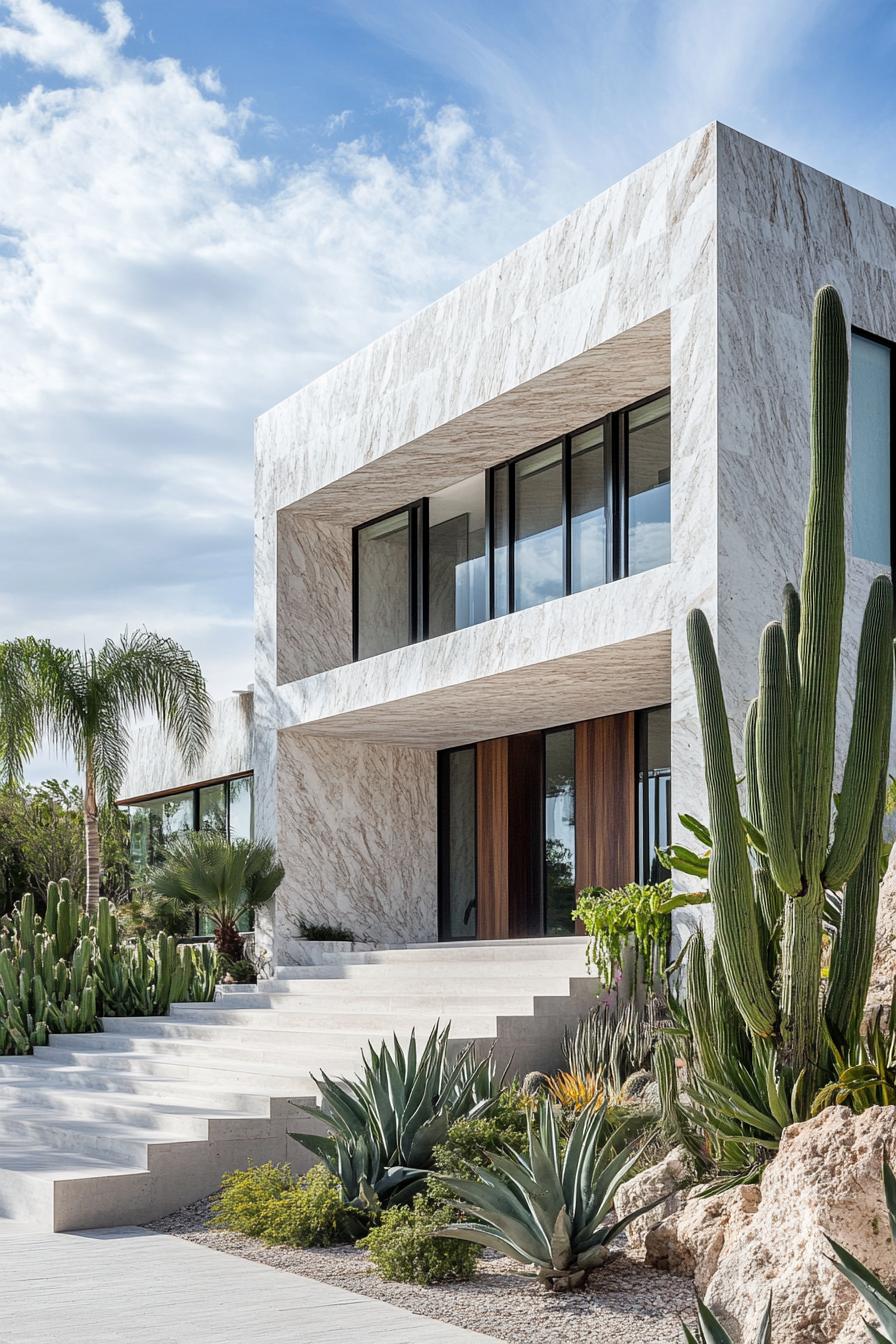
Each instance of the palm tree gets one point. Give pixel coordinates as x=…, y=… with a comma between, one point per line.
x=223, y=879
x=83, y=703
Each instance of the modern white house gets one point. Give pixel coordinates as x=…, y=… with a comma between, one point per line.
x=477, y=541
x=476, y=544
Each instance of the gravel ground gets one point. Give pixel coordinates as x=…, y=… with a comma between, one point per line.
x=625, y=1302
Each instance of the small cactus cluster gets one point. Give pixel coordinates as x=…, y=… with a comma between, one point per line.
x=46, y=980
x=771, y=871
x=61, y=972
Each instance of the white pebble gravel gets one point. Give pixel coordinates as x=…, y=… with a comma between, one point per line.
x=624, y=1302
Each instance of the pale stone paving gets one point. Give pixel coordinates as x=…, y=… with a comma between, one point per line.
x=129, y=1284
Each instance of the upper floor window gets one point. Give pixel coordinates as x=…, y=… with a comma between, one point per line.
x=872, y=439
x=586, y=509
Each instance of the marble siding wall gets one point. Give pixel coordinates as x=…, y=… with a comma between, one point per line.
x=155, y=765
x=357, y=836
x=784, y=230
x=314, y=596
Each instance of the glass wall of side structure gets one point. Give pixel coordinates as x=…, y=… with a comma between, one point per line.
x=225, y=807
x=589, y=508
x=873, y=395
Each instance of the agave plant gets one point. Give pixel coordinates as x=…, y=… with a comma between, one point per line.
x=866, y=1283
x=611, y=1042
x=387, y=1120
x=710, y=1331
x=546, y=1210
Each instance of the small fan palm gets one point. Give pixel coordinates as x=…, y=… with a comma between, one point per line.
x=83, y=703
x=222, y=879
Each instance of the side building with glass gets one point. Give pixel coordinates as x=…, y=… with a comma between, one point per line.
x=478, y=539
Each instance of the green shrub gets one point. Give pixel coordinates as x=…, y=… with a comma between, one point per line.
x=266, y=1202
x=308, y=1213
x=244, y=1204
x=470, y=1140
x=404, y=1246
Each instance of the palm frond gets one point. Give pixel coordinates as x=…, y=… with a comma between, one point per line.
x=143, y=672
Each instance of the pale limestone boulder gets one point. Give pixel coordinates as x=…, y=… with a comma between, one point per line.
x=825, y=1178
x=694, y=1239
x=669, y=1177
x=884, y=965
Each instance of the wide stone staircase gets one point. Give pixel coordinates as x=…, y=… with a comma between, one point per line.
x=127, y=1124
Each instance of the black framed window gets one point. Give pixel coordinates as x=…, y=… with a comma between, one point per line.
x=873, y=406
x=653, y=740
x=586, y=509
x=457, y=843
x=648, y=446
x=538, y=540
x=457, y=566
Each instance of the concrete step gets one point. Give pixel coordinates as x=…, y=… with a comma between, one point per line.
x=235, y=1075
x=537, y=951
x=441, y=972
x=143, y=1087
x=126, y=1124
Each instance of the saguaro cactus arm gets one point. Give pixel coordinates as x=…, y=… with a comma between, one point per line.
x=824, y=577
x=871, y=719
x=774, y=760
x=730, y=876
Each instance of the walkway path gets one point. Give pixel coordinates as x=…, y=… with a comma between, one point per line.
x=131, y=1286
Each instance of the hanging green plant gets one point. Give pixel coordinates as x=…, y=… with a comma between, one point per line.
x=624, y=918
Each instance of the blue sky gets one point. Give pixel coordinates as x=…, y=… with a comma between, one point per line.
x=206, y=203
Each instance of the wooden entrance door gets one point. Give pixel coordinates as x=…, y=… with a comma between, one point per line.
x=510, y=821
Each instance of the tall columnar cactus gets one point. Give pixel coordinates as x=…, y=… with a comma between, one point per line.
x=62, y=971
x=769, y=912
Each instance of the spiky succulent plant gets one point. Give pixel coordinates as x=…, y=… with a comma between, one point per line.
x=548, y=1210
x=710, y=1331
x=866, y=1283
x=385, y=1123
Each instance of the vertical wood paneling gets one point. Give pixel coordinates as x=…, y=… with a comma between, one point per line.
x=492, y=908
x=606, y=840
x=525, y=771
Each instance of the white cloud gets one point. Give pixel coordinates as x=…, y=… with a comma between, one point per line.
x=158, y=288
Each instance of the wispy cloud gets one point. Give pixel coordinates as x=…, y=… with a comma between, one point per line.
x=160, y=284
x=158, y=288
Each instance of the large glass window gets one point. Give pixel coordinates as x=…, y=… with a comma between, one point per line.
x=383, y=581
x=588, y=510
x=872, y=440
x=501, y=540
x=584, y=511
x=458, y=587
x=538, y=555
x=241, y=811
x=559, y=830
x=649, y=490
x=457, y=843
x=213, y=809
x=654, y=735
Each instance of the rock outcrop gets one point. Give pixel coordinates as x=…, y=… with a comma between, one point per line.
x=825, y=1179
x=670, y=1177
x=883, y=968
x=698, y=1235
